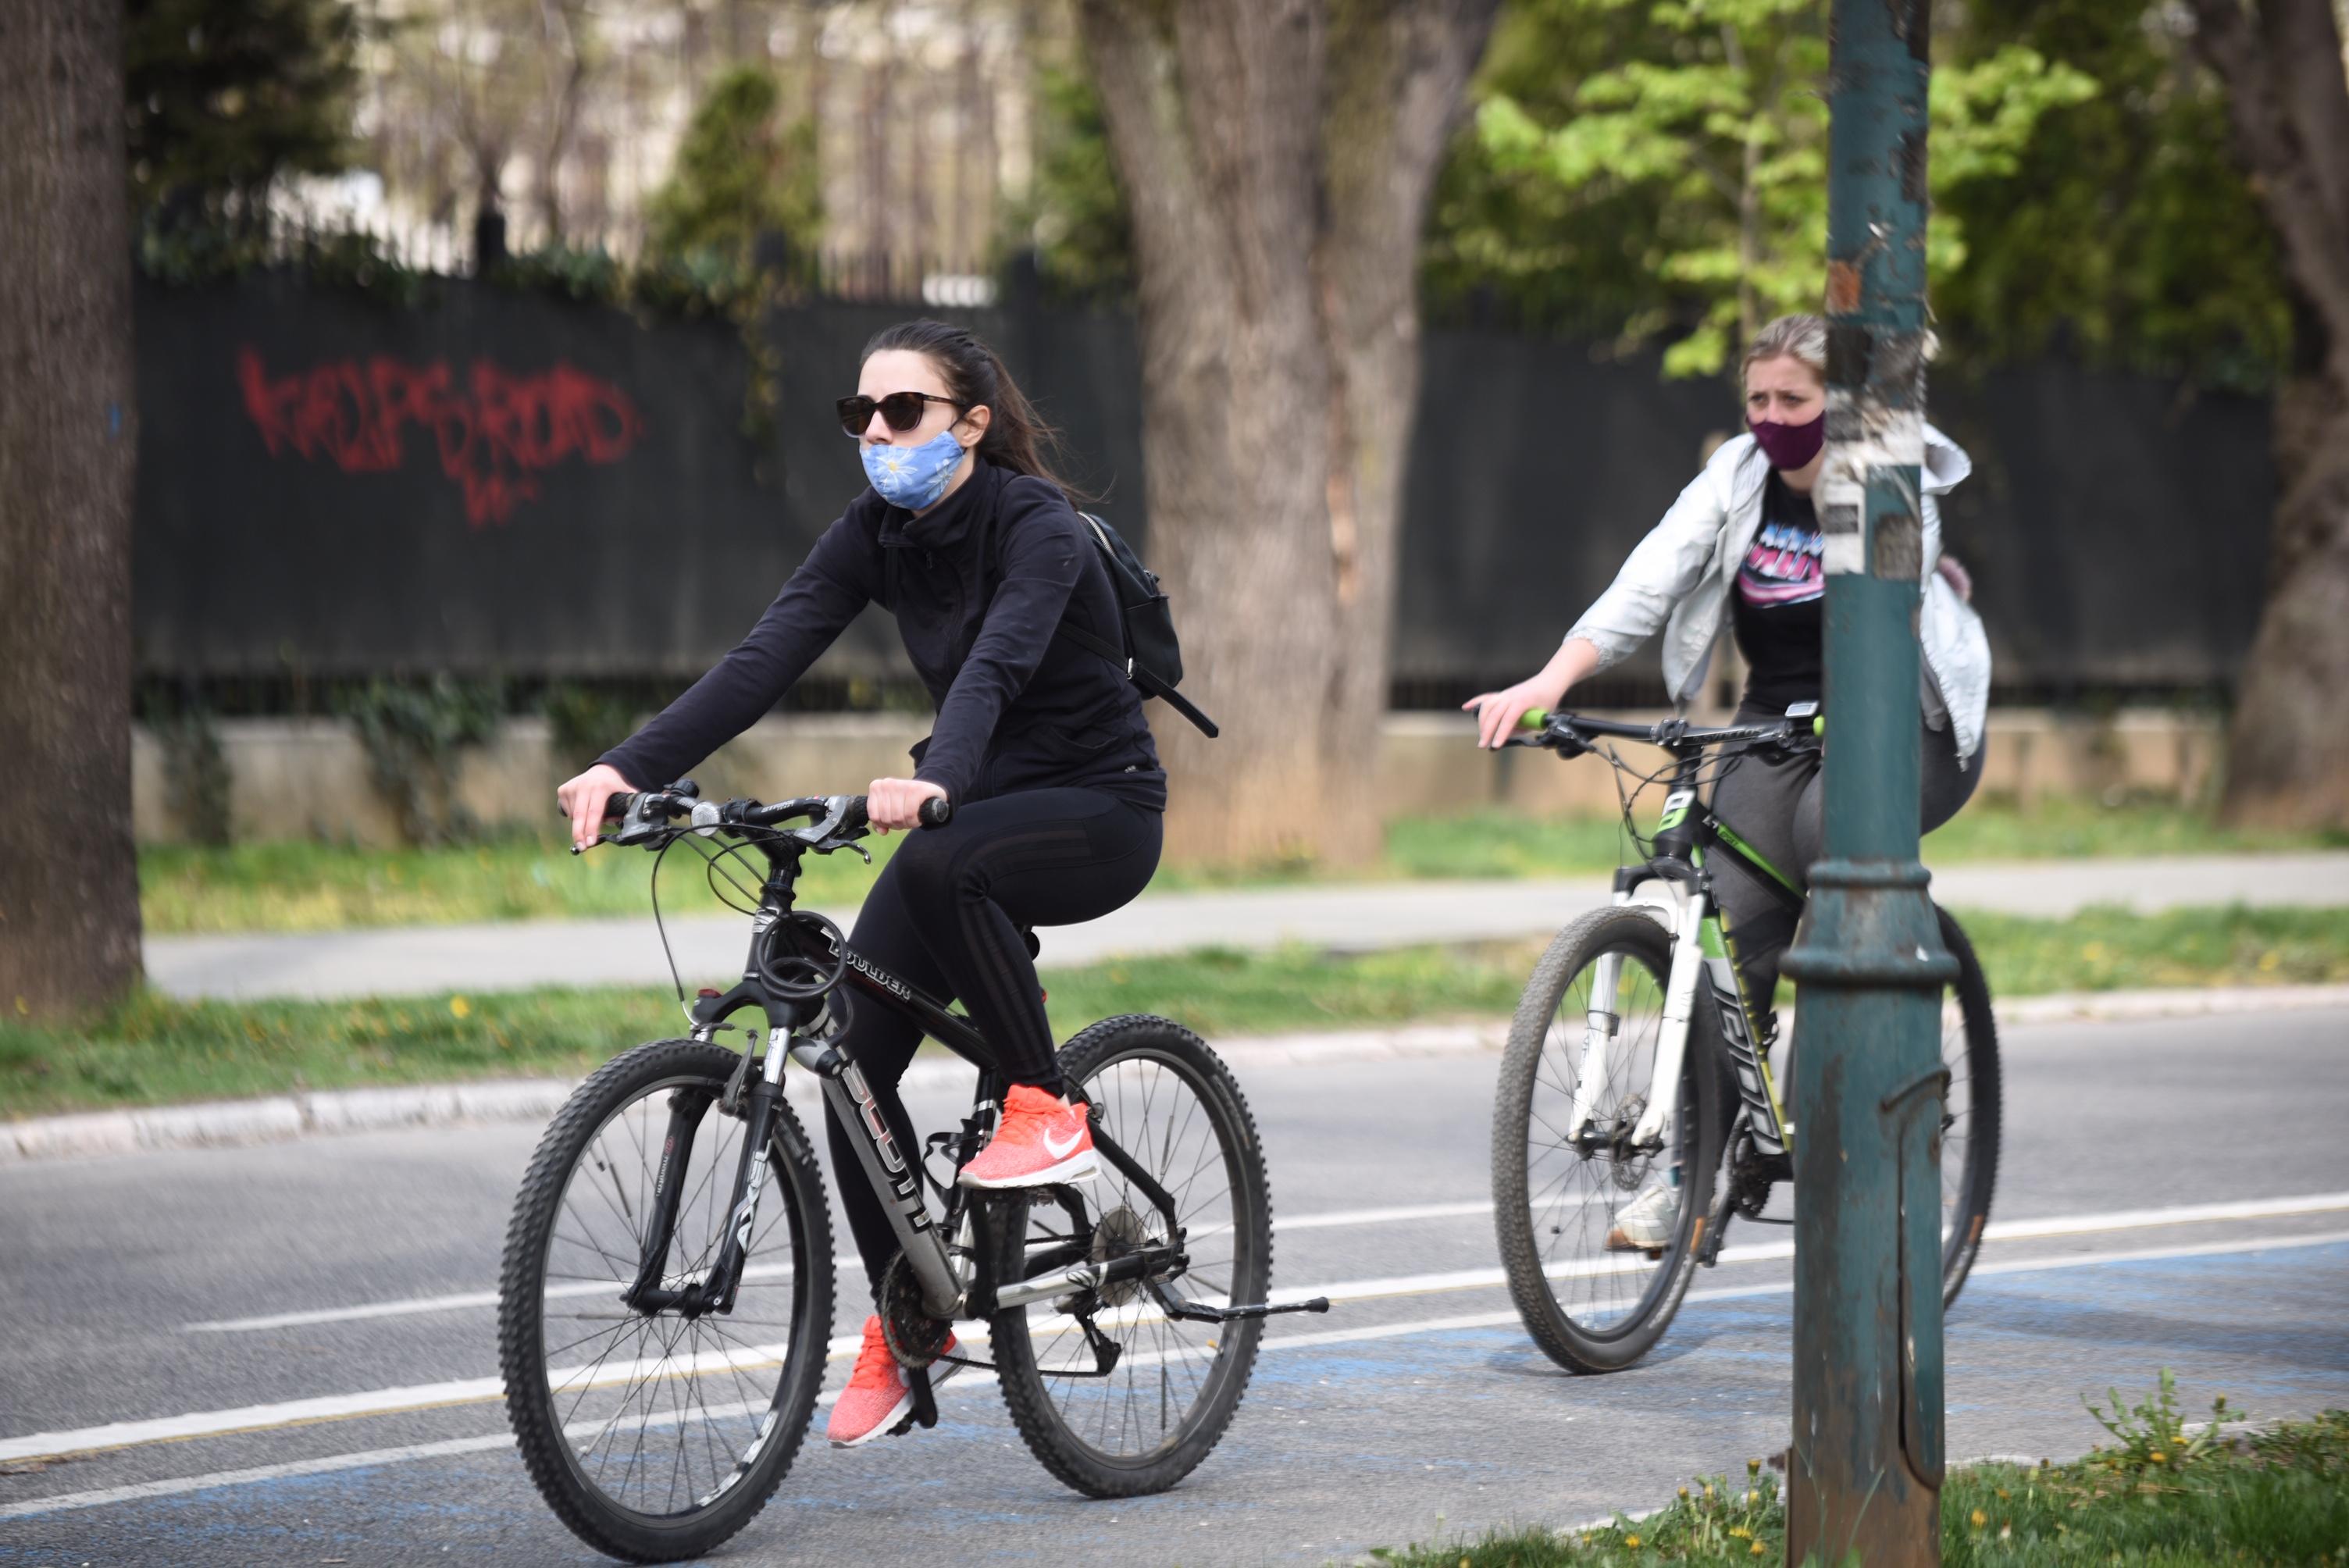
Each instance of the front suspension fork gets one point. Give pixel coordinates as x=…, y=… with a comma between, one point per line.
x=716, y=1290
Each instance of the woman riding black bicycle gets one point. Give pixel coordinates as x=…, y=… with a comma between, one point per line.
x=1743, y=534
x=1040, y=745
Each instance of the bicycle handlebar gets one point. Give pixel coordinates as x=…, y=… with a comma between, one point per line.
x=835, y=816
x=1671, y=734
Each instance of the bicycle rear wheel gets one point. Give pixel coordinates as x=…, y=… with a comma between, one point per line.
x=1969, y=1113
x=1170, y=1102
x=1562, y=1194
x=657, y=1437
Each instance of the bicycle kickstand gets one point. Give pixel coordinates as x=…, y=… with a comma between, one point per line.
x=1176, y=1307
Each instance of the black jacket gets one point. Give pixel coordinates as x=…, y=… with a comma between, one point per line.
x=978, y=587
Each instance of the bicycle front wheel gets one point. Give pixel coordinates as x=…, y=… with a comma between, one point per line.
x=1598, y=1234
x=656, y=1436
x=1172, y=1105
x=1970, y=1111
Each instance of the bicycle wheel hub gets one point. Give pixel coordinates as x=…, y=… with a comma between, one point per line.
x=1117, y=1235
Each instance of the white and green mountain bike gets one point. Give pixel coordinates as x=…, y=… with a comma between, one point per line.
x=1638, y=1112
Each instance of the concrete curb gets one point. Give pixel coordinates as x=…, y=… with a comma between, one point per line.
x=278, y=1118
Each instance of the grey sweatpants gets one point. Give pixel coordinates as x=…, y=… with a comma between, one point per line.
x=1779, y=810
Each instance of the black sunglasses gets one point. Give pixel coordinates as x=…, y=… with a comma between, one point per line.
x=903, y=410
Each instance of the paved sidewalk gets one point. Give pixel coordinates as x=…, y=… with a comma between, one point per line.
x=1338, y=916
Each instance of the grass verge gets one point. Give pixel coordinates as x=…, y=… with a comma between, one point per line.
x=312, y=886
x=152, y=1050
x=2157, y=1498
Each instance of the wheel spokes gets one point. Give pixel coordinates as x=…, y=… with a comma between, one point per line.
x=662, y=1415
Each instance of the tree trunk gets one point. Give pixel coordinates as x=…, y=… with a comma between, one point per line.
x=69, y=873
x=1279, y=157
x=2288, y=97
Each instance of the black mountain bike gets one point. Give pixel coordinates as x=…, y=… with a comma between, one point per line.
x=1637, y=1113
x=665, y=1305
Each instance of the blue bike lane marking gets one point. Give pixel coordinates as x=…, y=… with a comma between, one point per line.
x=1342, y=1446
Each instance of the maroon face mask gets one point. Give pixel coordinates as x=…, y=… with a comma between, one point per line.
x=1789, y=445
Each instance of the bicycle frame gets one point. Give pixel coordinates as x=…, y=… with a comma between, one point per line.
x=896, y=1175
x=1705, y=955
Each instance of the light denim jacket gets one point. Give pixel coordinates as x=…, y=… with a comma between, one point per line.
x=1679, y=578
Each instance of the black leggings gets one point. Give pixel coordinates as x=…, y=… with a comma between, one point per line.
x=945, y=915
x=1779, y=810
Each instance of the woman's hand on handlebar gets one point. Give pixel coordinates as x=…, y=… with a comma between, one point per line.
x=1497, y=712
x=897, y=802
x=583, y=798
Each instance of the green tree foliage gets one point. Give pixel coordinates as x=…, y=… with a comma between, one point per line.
x=223, y=96
x=1717, y=114
x=1564, y=261
x=739, y=173
x=2127, y=233
x=1075, y=216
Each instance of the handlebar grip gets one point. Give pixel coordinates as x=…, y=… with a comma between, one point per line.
x=618, y=805
x=1533, y=718
x=936, y=813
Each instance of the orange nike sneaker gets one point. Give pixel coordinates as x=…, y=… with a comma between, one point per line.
x=1042, y=1140
x=879, y=1400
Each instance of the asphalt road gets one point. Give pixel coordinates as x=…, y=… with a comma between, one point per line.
x=1415, y=1411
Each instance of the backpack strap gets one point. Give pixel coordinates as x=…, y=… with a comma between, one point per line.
x=1174, y=699
x=1149, y=685
x=1093, y=644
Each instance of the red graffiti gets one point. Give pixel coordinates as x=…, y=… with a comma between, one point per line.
x=493, y=438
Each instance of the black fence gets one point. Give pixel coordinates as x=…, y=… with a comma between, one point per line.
x=495, y=482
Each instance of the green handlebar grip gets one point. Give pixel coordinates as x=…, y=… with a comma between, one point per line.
x=1533, y=718
x=1819, y=723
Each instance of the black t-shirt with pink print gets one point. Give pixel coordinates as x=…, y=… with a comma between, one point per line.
x=1776, y=610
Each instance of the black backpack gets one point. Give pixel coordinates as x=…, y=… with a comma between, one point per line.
x=1151, y=657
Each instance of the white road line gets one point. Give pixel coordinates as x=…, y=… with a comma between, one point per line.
x=67, y=1501
x=460, y=1301
x=2003, y=1230
x=376, y=1402
x=2147, y=1219
x=1291, y=1341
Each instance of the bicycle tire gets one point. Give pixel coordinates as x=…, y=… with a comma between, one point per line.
x=795, y=1180
x=1082, y=1465
x=1583, y=1347
x=1967, y=1207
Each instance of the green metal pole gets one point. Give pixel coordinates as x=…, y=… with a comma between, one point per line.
x=1863, y=1475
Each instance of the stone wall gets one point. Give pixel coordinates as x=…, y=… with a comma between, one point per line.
x=293, y=779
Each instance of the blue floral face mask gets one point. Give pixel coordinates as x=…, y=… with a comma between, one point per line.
x=913, y=477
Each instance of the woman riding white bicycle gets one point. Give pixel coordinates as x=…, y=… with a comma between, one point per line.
x=1040, y=745
x=1743, y=536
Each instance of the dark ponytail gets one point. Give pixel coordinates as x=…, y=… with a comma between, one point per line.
x=1017, y=437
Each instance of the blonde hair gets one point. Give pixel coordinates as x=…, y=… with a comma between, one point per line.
x=1798, y=337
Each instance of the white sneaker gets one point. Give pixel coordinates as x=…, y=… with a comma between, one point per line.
x=1645, y=1223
